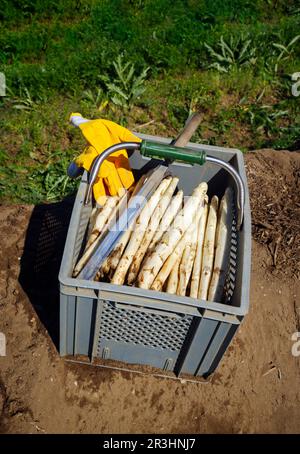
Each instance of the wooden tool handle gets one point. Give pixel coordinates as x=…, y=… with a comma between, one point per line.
x=189, y=129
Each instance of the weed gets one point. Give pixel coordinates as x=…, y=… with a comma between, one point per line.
x=23, y=101
x=235, y=53
x=289, y=137
x=280, y=54
x=53, y=182
x=98, y=100
x=126, y=87
x=262, y=117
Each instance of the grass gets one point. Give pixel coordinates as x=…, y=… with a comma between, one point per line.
x=141, y=62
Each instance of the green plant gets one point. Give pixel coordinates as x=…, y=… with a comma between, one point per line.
x=98, y=100
x=285, y=52
x=234, y=53
x=53, y=181
x=201, y=99
x=126, y=87
x=279, y=56
x=48, y=183
x=293, y=10
x=23, y=101
x=262, y=117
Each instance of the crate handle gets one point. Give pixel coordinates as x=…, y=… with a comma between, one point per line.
x=170, y=153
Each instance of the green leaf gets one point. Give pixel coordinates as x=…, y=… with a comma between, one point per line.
x=225, y=46
x=118, y=101
x=280, y=46
x=294, y=40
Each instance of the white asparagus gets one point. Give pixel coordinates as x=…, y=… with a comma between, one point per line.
x=208, y=251
x=102, y=270
x=168, y=217
x=182, y=284
x=170, y=238
x=196, y=273
x=94, y=213
x=173, y=278
x=116, y=254
x=138, y=233
x=108, y=224
x=111, y=262
x=151, y=230
x=111, y=221
x=171, y=261
x=188, y=256
x=120, y=247
x=222, y=249
x=102, y=219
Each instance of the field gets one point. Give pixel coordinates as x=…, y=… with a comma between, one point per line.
x=145, y=64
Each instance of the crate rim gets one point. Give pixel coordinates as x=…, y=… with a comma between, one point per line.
x=127, y=290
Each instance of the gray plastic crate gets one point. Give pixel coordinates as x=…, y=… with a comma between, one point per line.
x=144, y=327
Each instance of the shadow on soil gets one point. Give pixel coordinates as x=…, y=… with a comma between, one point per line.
x=40, y=263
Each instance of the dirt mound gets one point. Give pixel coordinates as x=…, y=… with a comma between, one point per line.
x=274, y=184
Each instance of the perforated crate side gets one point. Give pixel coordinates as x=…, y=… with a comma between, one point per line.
x=139, y=336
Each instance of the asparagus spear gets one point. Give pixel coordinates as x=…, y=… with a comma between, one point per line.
x=175, y=257
x=152, y=228
x=167, y=219
x=173, y=278
x=186, y=264
x=94, y=213
x=208, y=251
x=199, y=253
x=111, y=262
x=102, y=219
x=222, y=250
x=137, y=234
x=170, y=238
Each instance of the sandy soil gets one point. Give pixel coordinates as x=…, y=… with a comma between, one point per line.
x=255, y=388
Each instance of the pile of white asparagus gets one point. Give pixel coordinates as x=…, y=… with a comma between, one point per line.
x=179, y=247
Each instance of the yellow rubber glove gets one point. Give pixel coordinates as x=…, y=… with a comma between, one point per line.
x=115, y=173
